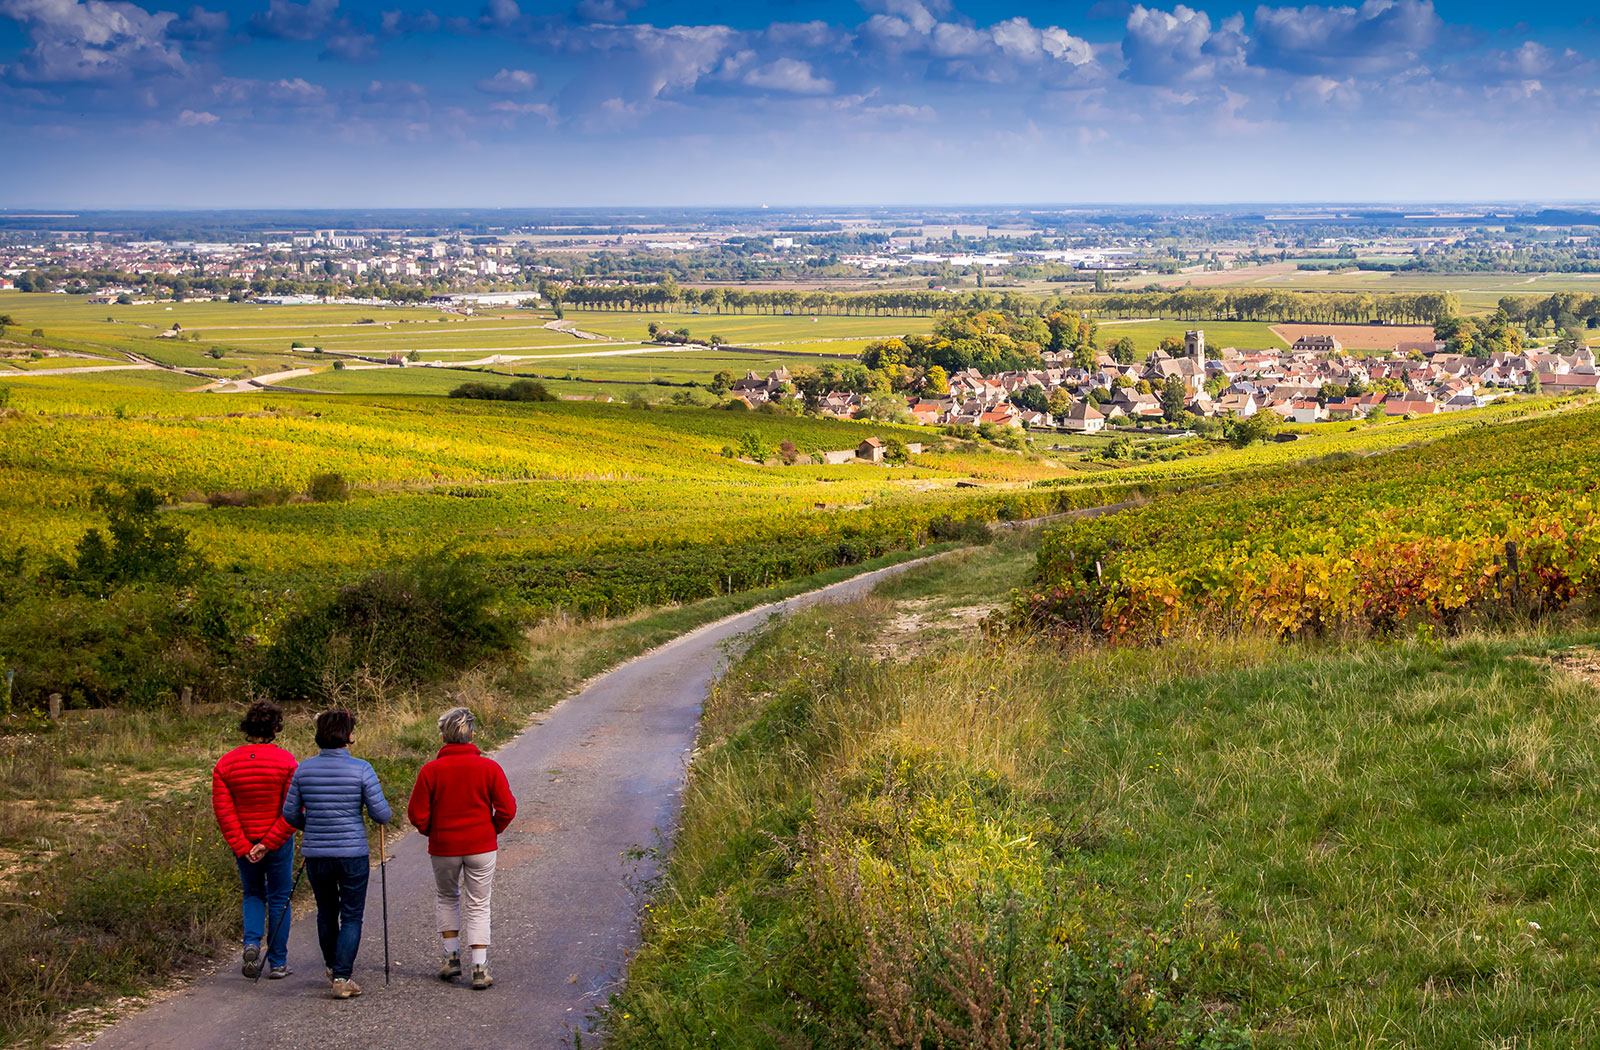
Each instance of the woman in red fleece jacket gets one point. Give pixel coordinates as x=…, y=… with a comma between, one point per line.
x=462, y=802
x=247, y=789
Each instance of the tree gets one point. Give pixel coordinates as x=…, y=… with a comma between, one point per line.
x=895, y=450
x=722, y=382
x=1259, y=427
x=140, y=546
x=1083, y=356
x=1533, y=385
x=1143, y=386
x=1171, y=345
x=1031, y=397
x=936, y=382
x=752, y=447
x=1060, y=402
x=1122, y=351
x=1174, y=395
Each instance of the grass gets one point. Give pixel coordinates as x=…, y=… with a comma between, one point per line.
x=746, y=328
x=114, y=873
x=1222, y=841
x=1147, y=335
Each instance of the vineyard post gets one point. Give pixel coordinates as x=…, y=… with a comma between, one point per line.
x=185, y=698
x=54, y=710
x=1511, y=568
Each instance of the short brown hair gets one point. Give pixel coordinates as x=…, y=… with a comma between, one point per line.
x=263, y=721
x=334, y=728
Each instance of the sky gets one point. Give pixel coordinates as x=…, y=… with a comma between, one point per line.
x=403, y=103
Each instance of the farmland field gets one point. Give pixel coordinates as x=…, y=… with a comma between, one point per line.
x=1147, y=334
x=747, y=328
x=1358, y=336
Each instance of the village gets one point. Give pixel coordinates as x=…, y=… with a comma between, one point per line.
x=1314, y=380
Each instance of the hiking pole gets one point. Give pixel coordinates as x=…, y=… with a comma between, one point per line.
x=293, y=885
x=383, y=883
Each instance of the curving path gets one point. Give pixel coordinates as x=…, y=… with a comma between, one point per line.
x=595, y=777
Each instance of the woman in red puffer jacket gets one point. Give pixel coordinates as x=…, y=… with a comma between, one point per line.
x=247, y=790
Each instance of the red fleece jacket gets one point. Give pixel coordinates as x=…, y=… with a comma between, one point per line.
x=461, y=801
x=247, y=789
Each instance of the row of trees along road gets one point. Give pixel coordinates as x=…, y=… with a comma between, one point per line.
x=1186, y=303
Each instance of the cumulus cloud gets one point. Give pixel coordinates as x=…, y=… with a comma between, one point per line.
x=1534, y=59
x=606, y=10
x=788, y=75
x=1378, y=35
x=509, y=82
x=190, y=118
x=350, y=46
x=397, y=23
x=1179, y=46
x=92, y=40
x=200, y=27
x=287, y=20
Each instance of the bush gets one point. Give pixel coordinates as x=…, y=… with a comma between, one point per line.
x=520, y=390
x=970, y=529
x=639, y=401
x=328, y=488
x=396, y=628
x=751, y=446
x=139, y=547
x=338, y=366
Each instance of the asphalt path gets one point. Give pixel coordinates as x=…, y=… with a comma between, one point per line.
x=597, y=778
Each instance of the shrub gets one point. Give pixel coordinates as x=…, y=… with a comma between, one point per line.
x=752, y=447
x=139, y=547
x=520, y=390
x=328, y=488
x=338, y=366
x=971, y=529
x=639, y=401
x=396, y=628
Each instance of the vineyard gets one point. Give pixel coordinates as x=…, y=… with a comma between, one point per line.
x=1487, y=522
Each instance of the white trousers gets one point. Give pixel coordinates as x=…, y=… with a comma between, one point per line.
x=463, y=885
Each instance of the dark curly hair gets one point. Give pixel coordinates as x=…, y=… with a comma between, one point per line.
x=263, y=721
x=334, y=728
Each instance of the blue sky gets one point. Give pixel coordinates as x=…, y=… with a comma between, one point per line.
x=400, y=103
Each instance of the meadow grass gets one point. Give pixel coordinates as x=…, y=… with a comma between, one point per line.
x=1222, y=841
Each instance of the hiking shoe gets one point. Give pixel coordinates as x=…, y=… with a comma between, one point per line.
x=278, y=973
x=480, y=977
x=252, y=961
x=451, y=967
x=344, y=988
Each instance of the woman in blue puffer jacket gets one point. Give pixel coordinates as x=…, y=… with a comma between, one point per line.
x=325, y=800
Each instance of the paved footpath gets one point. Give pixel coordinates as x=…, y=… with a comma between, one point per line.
x=597, y=776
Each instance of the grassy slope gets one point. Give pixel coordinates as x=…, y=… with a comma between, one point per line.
x=1325, y=847
x=106, y=825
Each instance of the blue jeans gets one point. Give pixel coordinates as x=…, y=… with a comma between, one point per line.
x=266, y=900
x=340, y=886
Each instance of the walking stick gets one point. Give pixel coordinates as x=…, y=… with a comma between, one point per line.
x=293, y=885
x=383, y=883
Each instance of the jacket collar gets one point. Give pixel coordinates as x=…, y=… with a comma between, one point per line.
x=336, y=752
x=459, y=749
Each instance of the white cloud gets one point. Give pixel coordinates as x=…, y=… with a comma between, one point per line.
x=509, y=82
x=1378, y=35
x=790, y=75
x=190, y=118
x=91, y=40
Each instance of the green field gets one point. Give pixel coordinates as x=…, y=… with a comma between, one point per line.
x=899, y=822
x=747, y=328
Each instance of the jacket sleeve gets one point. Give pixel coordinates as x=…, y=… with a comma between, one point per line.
x=419, y=811
x=505, y=804
x=227, y=815
x=372, y=795
x=293, y=812
x=281, y=832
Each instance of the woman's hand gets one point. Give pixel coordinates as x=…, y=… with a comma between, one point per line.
x=257, y=851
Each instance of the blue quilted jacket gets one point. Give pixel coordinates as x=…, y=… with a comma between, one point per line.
x=325, y=800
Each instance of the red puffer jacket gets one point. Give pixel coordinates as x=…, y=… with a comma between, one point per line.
x=247, y=790
x=462, y=802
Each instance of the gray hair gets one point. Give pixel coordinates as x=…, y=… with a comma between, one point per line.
x=456, y=726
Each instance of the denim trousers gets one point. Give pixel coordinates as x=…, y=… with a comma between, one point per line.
x=340, y=887
x=266, y=900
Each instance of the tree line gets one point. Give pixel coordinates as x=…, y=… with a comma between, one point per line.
x=1198, y=304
